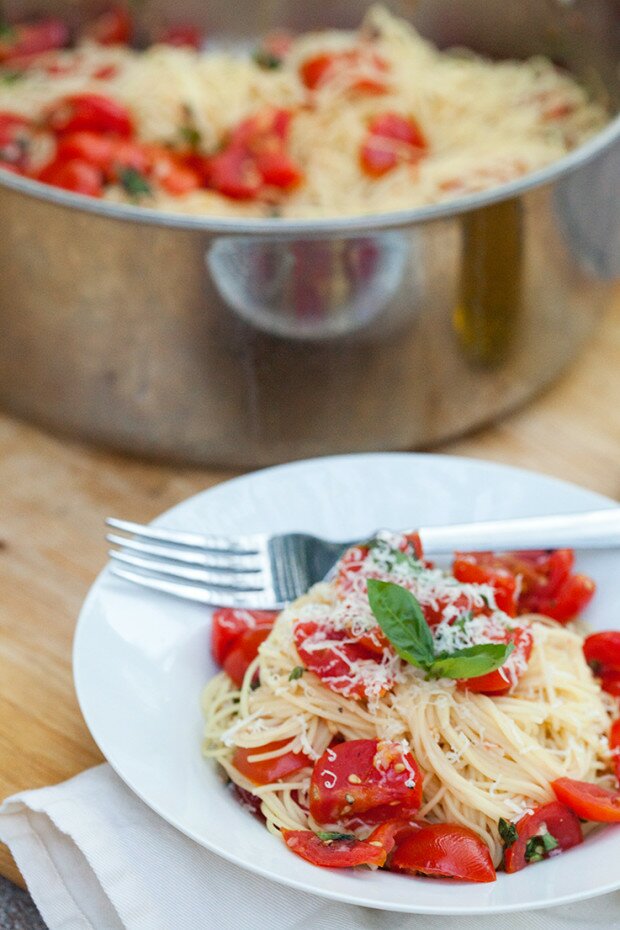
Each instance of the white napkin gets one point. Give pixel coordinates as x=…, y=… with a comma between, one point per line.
x=96, y=858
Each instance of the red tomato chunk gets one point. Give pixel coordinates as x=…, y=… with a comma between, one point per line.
x=89, y=113
x=265, y=771
x=447, y=850
x=391, y=140
x=555, y=819
x=334, y=854
x=589, y=801
x=365, y=779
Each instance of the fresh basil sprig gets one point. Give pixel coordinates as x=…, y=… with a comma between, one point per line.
x=400, y=616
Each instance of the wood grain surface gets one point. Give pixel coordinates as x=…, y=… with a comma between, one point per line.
x=55, y=494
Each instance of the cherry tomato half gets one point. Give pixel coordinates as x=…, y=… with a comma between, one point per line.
x=243, y=654
x=265, y=771
x=355, y=69
x=74, y=175
x=589, y=801
x=335, y=853
x=366, y=778
x=602, y=651
x=340, y=662
x=391, y=140
x=112, y=27
x=27, y=40
x=229, y=624
x=553, y=818
x=89, y=113
x=610, y=682
x=485, y=568
x=445, y=849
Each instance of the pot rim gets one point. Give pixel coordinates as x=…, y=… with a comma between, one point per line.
x=347, y=225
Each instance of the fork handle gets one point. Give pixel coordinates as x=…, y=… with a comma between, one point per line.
x=595, y=529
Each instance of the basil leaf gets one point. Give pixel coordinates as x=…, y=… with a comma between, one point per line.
x=327, y=837
x=538, y=847
x=191, y=135
x=267, y=60
x=508, y=832
x=471, y=662
x=296, y=673
x=549, y=842
x=400, y=617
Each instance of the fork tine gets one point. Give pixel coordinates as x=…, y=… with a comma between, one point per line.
x=241, y=544
x=235, y=581
x=192, y=592
x=212, y=560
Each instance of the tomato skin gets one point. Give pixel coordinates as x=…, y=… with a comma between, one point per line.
x=560, y=821
x=391, y=140
x=243, y=654
x=588, y=800
x=268, y=770
x=229, y=623
x=483, y=568
x=27, y=40
x=234, y=174
x=385, y=779
x=392, y=832
x=603, y=650
x=182, y=35
x=610, y=682
x=337, y=854
x=278, y=170
x=89, y=113
x=495, y=682
x=172, y=173
x=614, y=745
x=447, y=850
x=113, y=27
x=74, y=175
x=321, y=69
x=573, y=597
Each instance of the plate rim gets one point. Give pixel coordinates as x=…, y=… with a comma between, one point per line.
x=255, y=868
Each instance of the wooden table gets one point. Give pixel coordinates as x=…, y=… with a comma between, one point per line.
x=55, y=495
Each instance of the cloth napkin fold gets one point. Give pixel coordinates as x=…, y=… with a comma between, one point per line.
x=95, y=857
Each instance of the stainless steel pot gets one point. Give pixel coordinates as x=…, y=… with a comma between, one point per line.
x=246, y=343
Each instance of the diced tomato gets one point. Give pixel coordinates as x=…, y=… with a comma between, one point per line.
x=337, y=663
x=356, y=69
x=243, y=653
x=610, y=682
x=335, y=853
x=233, y=173
x=504, y=678
x=278, y=170
x=544, y=580
x=602, y=650
x=258, y=132
x=183, y=35
x=445, y=849
x=614, y=745
x=229, y=623
x=105, y=72
x=89, y=113
x=170, y=170
x=74, y=175
x=553, y=818
x=27, y=40
x=268, y=770
x=113, y=27
x=391, y=140
x=589, y=801
x=365, y=778
x=486, y=568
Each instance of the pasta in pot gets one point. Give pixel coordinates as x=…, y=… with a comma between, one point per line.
x=479, y=123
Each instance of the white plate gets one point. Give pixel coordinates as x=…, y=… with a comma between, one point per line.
x=141, y=660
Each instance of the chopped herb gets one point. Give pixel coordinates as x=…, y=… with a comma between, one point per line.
x=296, y=673
x=134, y=183
x=540, y=846
x=328, y=837
x=191, y=135
x=10, y=77
x=485, y=600
x=266, y=59
x=401, y=618
x=508, y=832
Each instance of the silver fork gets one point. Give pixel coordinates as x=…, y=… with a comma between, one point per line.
x=267, y=572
